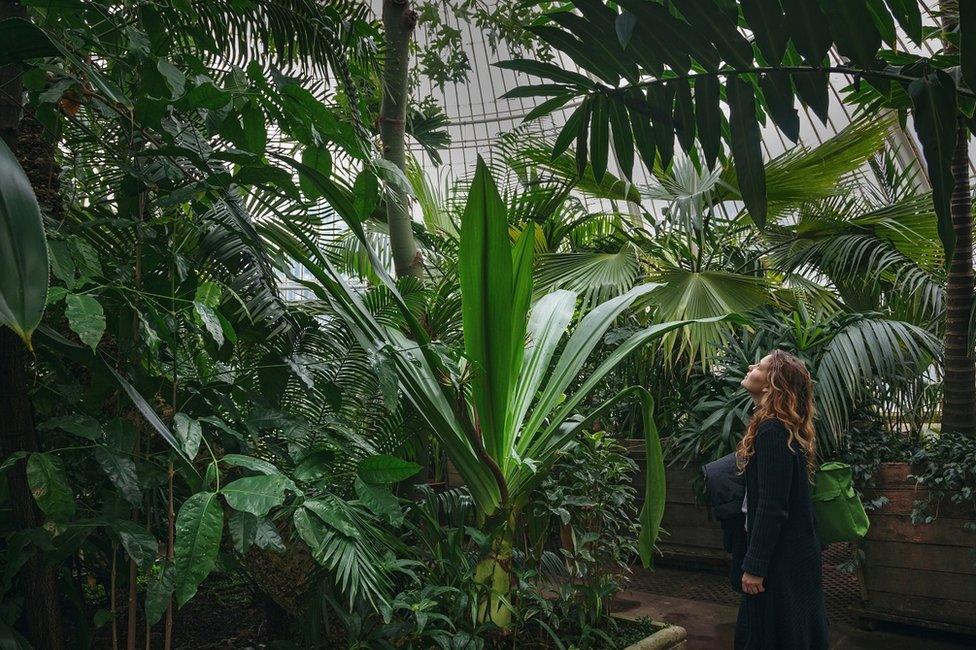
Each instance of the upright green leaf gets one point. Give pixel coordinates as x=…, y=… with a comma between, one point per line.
x=190, y=433
x=23, y=250
x=158, y=593
x=486, y=304
x=86, y=318
x=199, y=527
x=654, y=484
x=48, y=483
x=747, y=148
x=934, y=99
x=256, y=494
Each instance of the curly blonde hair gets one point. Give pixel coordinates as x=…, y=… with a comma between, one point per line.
x=789, y=400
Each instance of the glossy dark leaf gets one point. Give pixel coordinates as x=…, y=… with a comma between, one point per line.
x=778, y=91
x=585, y=55
x=768, y=25
x=256, y=494
x=808, y=29
x=812, y=88
x=48, y=483
x=199, y=527
x=934, y=100
x=884, y=22
x=242, y=526
x=121, y=470
x=382, y=469
x=138, y=542
x=746, y=141
x=23, y=250
x=570, y=130
x=708, y=117
x=158, y=594
x=582, y=135
x=23, y=40
x=659, y=35
x=599, y=36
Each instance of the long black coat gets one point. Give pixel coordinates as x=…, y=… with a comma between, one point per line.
x=780, y=545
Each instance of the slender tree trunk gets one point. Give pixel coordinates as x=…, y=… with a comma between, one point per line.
x=959, y=406
x=42, y=607
x=399, y=21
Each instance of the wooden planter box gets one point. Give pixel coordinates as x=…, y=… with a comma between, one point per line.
x=690, y=535
x=921, y=574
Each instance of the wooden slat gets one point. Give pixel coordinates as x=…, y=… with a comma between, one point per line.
x=924, y=557
x=912, y=583
x=960, y=614
x=902, y=502
x=947, y=532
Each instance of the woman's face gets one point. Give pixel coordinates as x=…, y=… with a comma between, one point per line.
x=756, y=380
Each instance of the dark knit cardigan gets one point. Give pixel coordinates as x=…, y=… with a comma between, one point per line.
x=781, y=546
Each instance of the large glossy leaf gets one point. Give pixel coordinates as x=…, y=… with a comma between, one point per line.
x=199, y=527
x=934, y=99
x=256, y=494
x=138, y=542
x=808, y=29
x=147, y=412
x=23, y=40
x=48, y=483
x=708, y=117
x=382, y=469
x=853, y=30
x=487, y=304
x=747, y=148
x=23, y=250
x=121, y=470
x=190, y=433
x=86, y=318
x=243, y=526
x=778, y=91
x=718, y=26
x=158, y=593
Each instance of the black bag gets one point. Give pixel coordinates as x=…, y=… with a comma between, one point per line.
x=725, y=487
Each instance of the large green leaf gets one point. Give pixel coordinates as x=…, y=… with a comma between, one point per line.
x=719, y=26
x=934, y=99
x=600, y=136
x=778, y=91
x=138, y=542
x=158, y=593
x=808, y=29
x=86, y=318
x=243, y=526
x=768, y=25
x=48, y=483
x=24, y=40
x=121, y=470
x=853, y=29
x=199, y=527
x=190, y=433
x=708, y=117
x=655, y=486
x=23, y=250
x=487, y=305
x=747, y=148
x=383, y=468
x=256, y=494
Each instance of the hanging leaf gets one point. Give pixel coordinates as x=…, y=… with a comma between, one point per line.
x=719, y=27
x=778, y=91
x=255, y=132
x=582, y=133
x=623, y=139
x=708, y=117
x=365, y=193
x=853, y=30
x=121, y=471
x=747, y=148
x=380, y=500
x=266, y=537
x=600, y=137
x=660, y=99
x=199, y=527
x=23, y=250
x=967, y=41
x=318, y=158
x=569, y=131
x=85, y=318
x=248, y=462
x=79, y=425
x=243, y=526
x=138, y=542
x=174, y=78
x=189, y=432
x=934, y=99
x=332, y=514
x=158, y=593
x=640, y=123
x=48, y=483
x=211, y=321
x=808, y=29
x=147, y=412
x=256, y=494
x=768, y=26
x=684, y=115
x=382, y=469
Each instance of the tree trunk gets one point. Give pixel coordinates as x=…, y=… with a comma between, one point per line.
x=42, y=607
x=399, y=21
x=959, y=406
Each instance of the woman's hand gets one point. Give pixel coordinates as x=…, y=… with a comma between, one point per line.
x=752, y=584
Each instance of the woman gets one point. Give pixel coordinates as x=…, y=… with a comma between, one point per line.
x=782, y=606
